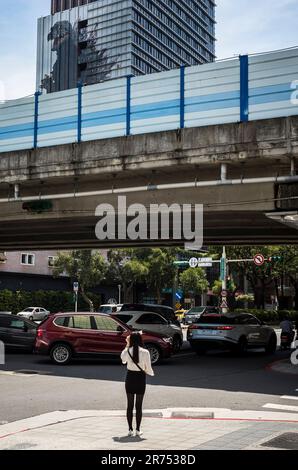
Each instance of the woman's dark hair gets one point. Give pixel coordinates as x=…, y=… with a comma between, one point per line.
x=135, y=342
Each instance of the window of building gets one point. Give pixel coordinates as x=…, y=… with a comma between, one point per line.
x=27, y=259
x=51, y=261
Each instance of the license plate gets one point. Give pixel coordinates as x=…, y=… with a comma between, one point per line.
x=208, y=332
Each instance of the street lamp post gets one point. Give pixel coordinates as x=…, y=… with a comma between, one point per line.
x=119, y=297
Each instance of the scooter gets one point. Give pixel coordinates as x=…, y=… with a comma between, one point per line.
x=286, y=340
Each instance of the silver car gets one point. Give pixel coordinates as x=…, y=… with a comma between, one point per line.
x=238, y=332
x=195, y=312
x=34, y=313
x=155, y=323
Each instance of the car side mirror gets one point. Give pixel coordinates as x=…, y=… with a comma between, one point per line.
x=120, y=329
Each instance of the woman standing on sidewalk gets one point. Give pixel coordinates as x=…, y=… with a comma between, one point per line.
x=138, y=366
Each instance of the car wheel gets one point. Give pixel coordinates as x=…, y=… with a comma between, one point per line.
x=242, y=346
x=155, y=353
x=271, y=346
x=61, y=354
x=176, y=344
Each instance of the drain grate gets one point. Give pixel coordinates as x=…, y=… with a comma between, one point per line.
x=288, y=441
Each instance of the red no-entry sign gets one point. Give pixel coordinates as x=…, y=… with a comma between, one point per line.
x=259, y=260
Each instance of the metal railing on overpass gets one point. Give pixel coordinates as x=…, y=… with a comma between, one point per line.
x=240, y=89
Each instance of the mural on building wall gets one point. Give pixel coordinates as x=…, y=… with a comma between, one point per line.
x=76, y=57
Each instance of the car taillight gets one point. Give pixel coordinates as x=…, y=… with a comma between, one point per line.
x=39, y=333
x=225, y=328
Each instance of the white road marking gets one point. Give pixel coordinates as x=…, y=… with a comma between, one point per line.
x=289, y=397
x=274, y=406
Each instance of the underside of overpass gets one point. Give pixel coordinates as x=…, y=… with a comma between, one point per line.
x=244, y=175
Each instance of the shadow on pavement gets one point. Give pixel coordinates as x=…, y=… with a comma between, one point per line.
x=216, y=370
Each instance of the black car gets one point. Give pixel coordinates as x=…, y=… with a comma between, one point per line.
x=166, y=312
x=17, y=333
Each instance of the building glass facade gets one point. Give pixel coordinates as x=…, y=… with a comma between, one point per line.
x=96, y=40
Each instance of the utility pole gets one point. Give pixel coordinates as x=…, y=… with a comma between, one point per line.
x=223, y=274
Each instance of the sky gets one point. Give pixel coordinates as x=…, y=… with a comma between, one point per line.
x=243, y=26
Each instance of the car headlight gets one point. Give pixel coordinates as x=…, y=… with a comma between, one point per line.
x=168, y=340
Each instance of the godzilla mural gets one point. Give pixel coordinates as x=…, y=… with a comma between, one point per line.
x=72, y=62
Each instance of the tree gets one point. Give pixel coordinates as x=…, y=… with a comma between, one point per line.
x=193, y=281
x=287, y=266
x=161, y=270
x=260, y=277
x=124, y=268
x=87, y=267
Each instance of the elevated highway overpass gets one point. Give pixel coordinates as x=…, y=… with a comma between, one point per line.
x=243, y=173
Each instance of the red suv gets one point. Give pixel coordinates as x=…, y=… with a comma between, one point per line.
x=67, y=335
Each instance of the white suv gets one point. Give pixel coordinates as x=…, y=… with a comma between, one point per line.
x=235, y=331
x=155, y=323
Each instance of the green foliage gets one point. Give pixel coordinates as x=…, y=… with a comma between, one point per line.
x=161, y=270
x=217, y=288
x=245, y=298
x=193, y=281
x=54, y=301
x=85, y=266
x=271, y=316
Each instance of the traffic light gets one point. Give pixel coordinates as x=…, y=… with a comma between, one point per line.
x=276, y=258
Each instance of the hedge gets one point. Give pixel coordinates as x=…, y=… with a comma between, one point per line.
x=271, y=316
x=54, y=301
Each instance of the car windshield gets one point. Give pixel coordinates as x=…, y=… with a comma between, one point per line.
x=195, y=310
x=30, y=309
x=105, y=309
x=124, y=318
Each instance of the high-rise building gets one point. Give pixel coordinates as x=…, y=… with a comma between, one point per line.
x=95, y=40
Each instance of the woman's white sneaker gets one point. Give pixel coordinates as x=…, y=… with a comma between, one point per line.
x=139, y=433
x=130, y=434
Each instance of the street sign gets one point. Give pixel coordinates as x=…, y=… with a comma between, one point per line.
x=224, y=293
x=205, y=260
x=224, y=304
x=178, y=306
x=259, y=260
x=205, y=265
x=178, y=296
x=193, y=262
x=76, y=287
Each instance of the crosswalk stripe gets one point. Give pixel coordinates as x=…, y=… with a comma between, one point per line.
x=275, y=406
x=289, y=397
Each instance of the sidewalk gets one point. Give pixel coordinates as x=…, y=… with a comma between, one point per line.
x=170, y=429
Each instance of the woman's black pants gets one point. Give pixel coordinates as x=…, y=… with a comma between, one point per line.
x=130, y=407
